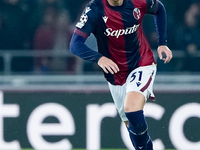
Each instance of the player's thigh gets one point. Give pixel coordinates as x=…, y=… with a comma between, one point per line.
x=140, y=86
x=118, y=94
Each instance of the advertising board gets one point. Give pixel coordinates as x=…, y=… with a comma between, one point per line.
x=64, y=120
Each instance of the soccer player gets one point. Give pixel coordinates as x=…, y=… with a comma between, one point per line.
x=124, y=55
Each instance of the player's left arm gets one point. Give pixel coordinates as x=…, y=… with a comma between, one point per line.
x=156, y=8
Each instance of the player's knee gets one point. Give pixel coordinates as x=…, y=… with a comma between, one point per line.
x=134, y=101
x=127, y=108
x=132, y=108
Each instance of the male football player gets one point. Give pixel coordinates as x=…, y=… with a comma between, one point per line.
x=124, y=55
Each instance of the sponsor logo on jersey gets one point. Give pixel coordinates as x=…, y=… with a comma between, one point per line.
x=117, y=33
x=83, y=20
x=105, y=19
x=136, y=13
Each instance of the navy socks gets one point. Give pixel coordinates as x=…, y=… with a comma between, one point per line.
x=138, y=131
x=131, y=137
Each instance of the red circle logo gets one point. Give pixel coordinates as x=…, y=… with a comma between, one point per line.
x=136, y=13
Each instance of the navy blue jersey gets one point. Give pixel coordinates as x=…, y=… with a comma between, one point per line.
x=119, y=34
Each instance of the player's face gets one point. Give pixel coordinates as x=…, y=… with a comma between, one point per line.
x=115, y=2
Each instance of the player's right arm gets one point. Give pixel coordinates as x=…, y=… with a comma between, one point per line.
x=83, y=29
x=108, y=65
x=78, y=47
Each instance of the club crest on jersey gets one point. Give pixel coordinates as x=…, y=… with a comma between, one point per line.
x=136, y=13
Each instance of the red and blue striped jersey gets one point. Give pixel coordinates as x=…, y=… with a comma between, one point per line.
x=119, y=34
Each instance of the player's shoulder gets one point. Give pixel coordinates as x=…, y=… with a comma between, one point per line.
x=95, y=4
x=90, y=15
x=143, y=3
x=139, y=3
x=93, y=8
x=151, y=3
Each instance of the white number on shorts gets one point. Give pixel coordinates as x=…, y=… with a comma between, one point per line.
x=134, y=76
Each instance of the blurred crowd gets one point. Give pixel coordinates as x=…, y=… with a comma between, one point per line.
x=36, y=25
x=183, y=31
x=47, y=25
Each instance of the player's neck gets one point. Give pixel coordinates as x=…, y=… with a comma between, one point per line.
x=115, y=2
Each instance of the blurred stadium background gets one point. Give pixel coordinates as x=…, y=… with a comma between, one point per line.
x=52, y=100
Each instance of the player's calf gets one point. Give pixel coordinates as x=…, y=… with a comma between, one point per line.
x=138, y=130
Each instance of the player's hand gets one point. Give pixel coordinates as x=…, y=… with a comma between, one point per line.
x=168, y=53
x=108, y=65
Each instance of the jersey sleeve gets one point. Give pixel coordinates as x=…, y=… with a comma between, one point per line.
x=156, y=8
x=88, y=19
x=84, y=28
